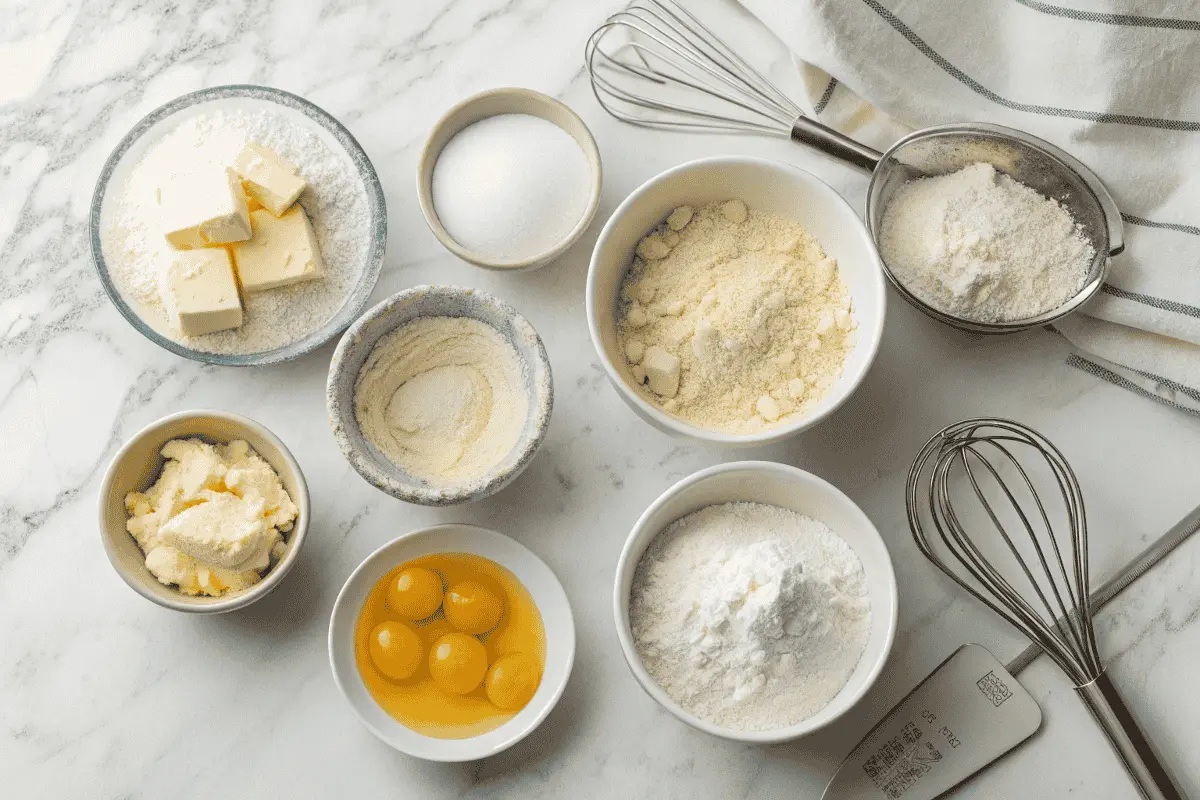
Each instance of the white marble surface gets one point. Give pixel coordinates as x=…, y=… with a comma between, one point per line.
x=105, y=695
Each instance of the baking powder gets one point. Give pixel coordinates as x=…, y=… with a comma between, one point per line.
x=750, y=616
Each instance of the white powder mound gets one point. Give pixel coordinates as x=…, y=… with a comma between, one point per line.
x=511, y=187
x=443, y=398
x=978, y=244
x=335, y=201
x=750, y=616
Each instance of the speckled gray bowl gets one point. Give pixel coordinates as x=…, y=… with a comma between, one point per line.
x=436, y=301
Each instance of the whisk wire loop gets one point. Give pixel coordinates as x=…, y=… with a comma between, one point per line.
x=666, y=54
x=984, y=458
x=981, y=463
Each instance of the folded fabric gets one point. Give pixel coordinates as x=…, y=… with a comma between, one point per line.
x=1119, y=91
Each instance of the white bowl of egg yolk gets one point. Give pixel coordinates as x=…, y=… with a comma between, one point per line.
x=452, y=643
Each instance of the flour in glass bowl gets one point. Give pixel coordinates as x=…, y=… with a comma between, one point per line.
x=135, y=249
x=750, y=616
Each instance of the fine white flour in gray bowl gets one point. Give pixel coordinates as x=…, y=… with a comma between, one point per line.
x=750, y=616
x=335, y=201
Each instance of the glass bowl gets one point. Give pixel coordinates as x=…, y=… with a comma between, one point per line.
x=158, y=122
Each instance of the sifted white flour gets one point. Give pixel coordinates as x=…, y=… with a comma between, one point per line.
x=443, y=398
x=750, y=616
x=734, y=319
x=980, y=245
x=335, y=201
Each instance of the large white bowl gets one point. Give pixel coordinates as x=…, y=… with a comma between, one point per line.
x=802, y=492
x=766, y=186
x=534, y=575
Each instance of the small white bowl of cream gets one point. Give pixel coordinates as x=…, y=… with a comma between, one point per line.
x=509, y=179
x=212, y=467
x=440, y=395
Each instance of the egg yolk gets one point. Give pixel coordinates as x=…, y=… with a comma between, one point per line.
x=396, y=650
x=457, y=663
x=512, y=680
x=472, y=607
x=415, y=593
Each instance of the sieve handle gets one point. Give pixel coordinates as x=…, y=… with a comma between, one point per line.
x=832, y=143
x=1131, y=745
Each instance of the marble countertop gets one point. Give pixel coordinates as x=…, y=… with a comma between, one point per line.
x=104, y=695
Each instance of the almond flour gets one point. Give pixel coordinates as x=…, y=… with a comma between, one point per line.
x=733, y=319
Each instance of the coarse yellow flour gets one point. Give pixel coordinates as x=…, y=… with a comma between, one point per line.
x=734, y=319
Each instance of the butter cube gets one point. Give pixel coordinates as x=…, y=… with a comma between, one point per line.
x=269, y=179
x=282, y=251
x=662, y=368
x=200, y=293
x=205, y=208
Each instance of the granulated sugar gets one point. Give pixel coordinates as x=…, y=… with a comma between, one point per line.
x=977, y=244
x=136, y=251
x=750, y=616
x=511, y=187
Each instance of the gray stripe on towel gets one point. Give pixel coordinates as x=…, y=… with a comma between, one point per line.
x=1154, y=302
x=979, y=88
x=1170, y=226
x=1124, y=20
x=1092, y=368
x=825, y=96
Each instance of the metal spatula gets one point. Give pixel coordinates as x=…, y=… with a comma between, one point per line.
x=895, y=760
x=961, y=718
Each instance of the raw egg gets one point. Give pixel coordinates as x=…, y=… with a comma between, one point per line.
x=415, y=593
x=512, y=680
x=448, y=692
x=471, y=607
x=396, y=650
x=458, y=662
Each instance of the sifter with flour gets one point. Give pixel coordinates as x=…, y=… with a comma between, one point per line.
x=655, y=65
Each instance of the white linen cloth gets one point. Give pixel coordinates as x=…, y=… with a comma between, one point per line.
x=1116, y=84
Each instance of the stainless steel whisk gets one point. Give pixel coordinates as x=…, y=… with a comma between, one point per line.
x=979, y=463
x=654, y=64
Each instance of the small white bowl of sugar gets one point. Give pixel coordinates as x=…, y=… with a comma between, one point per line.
x=509, y=179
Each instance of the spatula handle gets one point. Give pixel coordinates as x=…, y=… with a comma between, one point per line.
x=1136, y=752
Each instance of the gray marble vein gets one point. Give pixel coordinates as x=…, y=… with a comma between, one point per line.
x=105, y=695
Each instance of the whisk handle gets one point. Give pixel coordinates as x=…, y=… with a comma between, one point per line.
x=830, y=142
x=1132, y=747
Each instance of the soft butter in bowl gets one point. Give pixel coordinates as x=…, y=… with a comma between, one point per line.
x=439, y=395
x=203, y=511
x=238, y=225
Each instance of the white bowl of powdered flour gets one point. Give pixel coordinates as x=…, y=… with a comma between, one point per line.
x=755, y=602
x=764, y=187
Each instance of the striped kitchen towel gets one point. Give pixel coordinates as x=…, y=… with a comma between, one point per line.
x=1117, y=89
